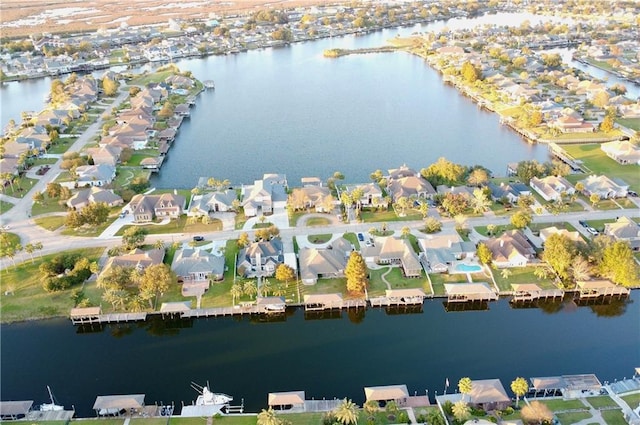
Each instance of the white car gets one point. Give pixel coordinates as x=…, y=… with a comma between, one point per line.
x=593, y=231
x=6, y=227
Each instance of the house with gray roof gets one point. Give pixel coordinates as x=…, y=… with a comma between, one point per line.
x=551, y=188
x=93, y=195
x=145, y=208
x=371, y=194
x=212, y=202
x=604, y=186
x=329, y=262
x=399, y=252
x=440, y=251
x=512, y=191
x=260, y=258
x=136, y=259
x=93, y=175
x=265, y=195
x=622, y=151
x=311, y=197
x=195, y=267
x=624, y=229
x=511, y=249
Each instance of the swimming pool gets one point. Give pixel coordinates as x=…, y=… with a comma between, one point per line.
x=467, y=268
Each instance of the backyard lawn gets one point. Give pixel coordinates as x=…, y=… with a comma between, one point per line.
x=599, y=163
x=396, y=280
x=520, y=275
x=180, y=225
x=614, y=417
x=633, y=400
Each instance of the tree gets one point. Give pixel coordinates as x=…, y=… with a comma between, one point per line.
x=506, y=273
x=73, y=220
x=95, y=213
x=520, y=219
x=594, y=198
x=30, y=248
x=580, y=268
x=265, y=288
x=519, y=386
x=465, y=385
x=250, y=289
x=285, y=273
x=268, y=417
x=455, y=203
x=347, y=412
x=552, y=60
x=525, y=201
x=461, y=411
x=607, y=124
x=371, y=407
x=432, y=225
x=536, y=413
x=243, y=240
x=115, y=277
x=559, y=252
x=155, y=281
x=600, y=99
x=134, y=237
x=618, y=264
x=356, y=274
x=480, y=201
x=526, y=170
x=53, y=190
x=403, y=203
x=38, y=197
x=109, y=86
x=444, y=171
x=406, y=231
x=470, y=73
x=236, y=291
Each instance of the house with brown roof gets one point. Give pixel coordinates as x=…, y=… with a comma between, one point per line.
x=511, y=249
x=107, y=154
x=552, y=230
x=371, y=194
x=399, y=252
x=136, y=259
x=93, y=195
x=622, y=151
x=551, y=188
x=311, y=197
x=405, y=182
x=323, y=263
x=570, y=124
x=624, y=229
x=488, y=394
x=145, y=208
x=260, y=258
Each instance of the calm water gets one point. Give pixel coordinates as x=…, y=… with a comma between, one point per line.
x=325, y=358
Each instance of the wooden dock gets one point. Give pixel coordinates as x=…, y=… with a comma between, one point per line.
x=530, y=292
x=93, y=315
x=221, y=311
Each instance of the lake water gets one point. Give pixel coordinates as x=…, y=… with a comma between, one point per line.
x=326, y=358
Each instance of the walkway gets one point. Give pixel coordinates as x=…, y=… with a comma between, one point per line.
x=384, y=277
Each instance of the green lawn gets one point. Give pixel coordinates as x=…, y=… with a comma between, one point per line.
x=599, y=163
x=222, y=420
x=127, y=174
x=28, y=299
x=632, y=123
x=602, y=401
x=520, y=275
x=178, y=226
x=572, y=417
x=497, y=232
x=320, y=238
x=12, y=238
x=633, y=400
x=318, y=221
x=614, y=417
x=384, y=216
x=61, y=145
x=439, y=279
x=137, y=157
x=44, y=161
x=558, y=404
x=5, y=206
x=51, y=223
x=395, y=278
x=20, y=187
x=49, y=205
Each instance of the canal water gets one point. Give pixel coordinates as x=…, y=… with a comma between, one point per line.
x=326, y=358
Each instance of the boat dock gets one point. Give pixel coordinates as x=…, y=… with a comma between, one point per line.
x=52, y=415
x=593, y=289
x=209, y=84
x=530, y=292
x=93, y=315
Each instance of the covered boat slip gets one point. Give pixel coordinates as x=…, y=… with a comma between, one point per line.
x=589, y=289
x=469, y=292
x=570, y=386
x=526, y=292
x=114, y=405
x=295, y=402
x=15, y=409
x=397, y=393
x=397, y=297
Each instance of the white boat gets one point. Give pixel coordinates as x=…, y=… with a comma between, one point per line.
x=50, y=407
x=208, y=398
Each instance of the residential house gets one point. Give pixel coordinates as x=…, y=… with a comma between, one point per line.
x=399, y=252
x=265, y=195
x=552, y=230
x=194, y=268
x=442, y=250
x=136, y=259
x=179, y=82
x=511, y=249
x=145, y=208
x=320, y=263
x=551, y=188
x=605, y=187
x=212, y=202
x=466, y=191
x=308, y=197
x=570, y=124
x=93, y=175
x=488, y=394
x=624, y=229
x=511, y=191
x=622, y=151
x=93, y=195
x=371, y=194
x=629, y=111
x=108, y=154
x=34, y=137
x=311, y=181
x=260, y=258
x=406, y=182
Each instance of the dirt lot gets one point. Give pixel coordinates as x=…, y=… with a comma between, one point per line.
x=20, y=18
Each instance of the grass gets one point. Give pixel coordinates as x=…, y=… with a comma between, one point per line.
x=136, y=158
x=390, y=215
x=558, y=405
x=318, y=221
x=439, y=279
x=51, y=223
x=602, y=401
x=599, y=163
x=21, y=187
x=49, y=205
x=44, y=161
x=396, y=280
x=572, y=417
x=127, y=174
x=633, y=400
x=500, y=229
x=181, y=225
x=5, y=206
x=224, y=420
x=12, y=239
x=613, y=417
x=521, y=275
x=61, y=145
x=632, y=123
x=29, y=300
x=320, y=239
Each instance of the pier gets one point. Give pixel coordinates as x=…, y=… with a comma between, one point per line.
x=530, y=292
x=93, y=315
x=594, y=289
x=559, y=153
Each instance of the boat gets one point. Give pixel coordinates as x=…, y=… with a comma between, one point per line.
x=50, y=407
x=208, y=398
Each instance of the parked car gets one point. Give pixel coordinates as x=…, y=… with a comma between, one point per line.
x=360, y=237
x=198, y=238
x=583, y=223
x=593, y=231
x=632, y=193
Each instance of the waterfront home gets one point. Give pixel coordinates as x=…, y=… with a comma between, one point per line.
x=152, y=163
x=92, y=175
x=624, y=229
x=271, y=304
x=371, y=194
x=179, y=82
x=133, y=135
x=552, y=230
x=622, y=151
x=406, y=182
x=145, y=208
x=511, y=249
x=321, y=263
x=440, y=251
x=260, y=258
x=465, y=191
x=396, y=251
x=312, y=197
x=488, y=394
x=8, y=165
x=136, y=259
x=510, y=191
x=265, y=195
x=212, y=202
x=604, y=187
x=571, y=124
x=552, y=188
x=631, y=110
x=93, y=195
x=311, y=181
x=194, y=268
x=386, y=393
x=34, y=137
x=107, y=154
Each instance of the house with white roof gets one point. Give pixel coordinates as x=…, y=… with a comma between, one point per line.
x=624, y=229
x=605, y=187
x=622, y=151
x=551, y=188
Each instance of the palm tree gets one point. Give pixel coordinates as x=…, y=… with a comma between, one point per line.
x=249, y=288
x=371, y=407
x=268, y=417
x=519, y=386
x=29, y=248
x=236, y=292
x=406, y=231
x=506, y=273
x=159, y=244
x=465, y=385
x=460, y=410
x=347, y=412
x=265, y=288
x=540, y=272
